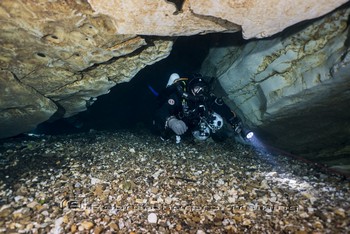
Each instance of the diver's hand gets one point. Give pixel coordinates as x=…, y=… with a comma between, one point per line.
x=237, y=127
x=235, y=123
x=178, y=126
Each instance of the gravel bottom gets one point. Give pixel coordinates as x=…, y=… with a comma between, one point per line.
x=132, y=182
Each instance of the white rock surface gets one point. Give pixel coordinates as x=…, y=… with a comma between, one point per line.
x=152, y=218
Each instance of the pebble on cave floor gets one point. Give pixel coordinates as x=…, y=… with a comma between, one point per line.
x=132, y=182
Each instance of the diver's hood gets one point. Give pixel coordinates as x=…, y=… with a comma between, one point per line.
x=172, y=78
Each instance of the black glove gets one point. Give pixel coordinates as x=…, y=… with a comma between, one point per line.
x=236, y=125
x=237, y=128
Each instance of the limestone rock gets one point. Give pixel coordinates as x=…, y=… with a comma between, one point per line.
x=69, y=56
x=294, y=86
x=189, y=17
x=70, y=52
x=263, y=18
x=21, y=107
x=165, y=18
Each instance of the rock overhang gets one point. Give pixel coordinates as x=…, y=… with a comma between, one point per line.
x=71, y=52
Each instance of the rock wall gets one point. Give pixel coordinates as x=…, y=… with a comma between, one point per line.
x=256, y=18
x=293, y=87
x=21, y=106
x=62, y=56
x=67, y=53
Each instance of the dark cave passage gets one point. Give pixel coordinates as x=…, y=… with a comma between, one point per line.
x=131, y=104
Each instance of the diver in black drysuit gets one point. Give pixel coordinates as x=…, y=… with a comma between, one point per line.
x=183, y=102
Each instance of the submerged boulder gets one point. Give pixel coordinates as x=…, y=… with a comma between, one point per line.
x=67, y=57
x=293, y=88
x=21, y=106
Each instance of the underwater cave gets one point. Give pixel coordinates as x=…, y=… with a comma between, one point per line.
x=131, y=104
x=104, y=170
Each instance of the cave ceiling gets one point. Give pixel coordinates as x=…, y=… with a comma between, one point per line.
x=56, y=57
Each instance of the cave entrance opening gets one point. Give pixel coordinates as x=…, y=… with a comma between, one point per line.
x=130, y=104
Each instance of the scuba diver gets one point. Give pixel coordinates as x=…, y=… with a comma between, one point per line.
x=187, y=105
